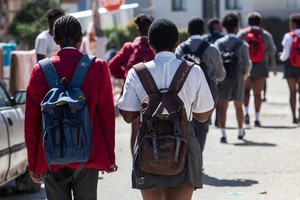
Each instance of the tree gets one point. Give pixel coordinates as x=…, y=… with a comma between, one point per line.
x=30, y=21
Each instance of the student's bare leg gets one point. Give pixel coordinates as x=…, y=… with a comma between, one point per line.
x=182, y=192
x=293, y=93
x=223, y=105
x=239, y=113
x=257, y=87
x=248, y=84
x=153, y=194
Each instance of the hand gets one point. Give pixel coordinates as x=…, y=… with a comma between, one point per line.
x=111, y=169
x=279, y=54
x=36, y=178
x=245, y=77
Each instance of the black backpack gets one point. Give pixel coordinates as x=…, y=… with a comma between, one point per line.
x=163, y=131
x=230, y=60
x=197, y=58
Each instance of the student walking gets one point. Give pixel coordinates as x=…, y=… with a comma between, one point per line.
x=237, y=63
x=208, y=57
x=197, y=100
x=215, y=31
x=130, y=54
x=79, y=179
x=291, y=56
x=261, y=50
x=45, y=45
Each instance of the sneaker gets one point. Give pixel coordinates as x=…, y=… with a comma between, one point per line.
x=223, y=140
x=247, y=119
x=240, y=137
x=257, y=123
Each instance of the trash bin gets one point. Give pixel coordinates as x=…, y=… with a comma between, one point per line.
x=7, y=48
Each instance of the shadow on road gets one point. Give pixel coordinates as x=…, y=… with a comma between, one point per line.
x=209, y=180
x=278, y=127
x=251, y=143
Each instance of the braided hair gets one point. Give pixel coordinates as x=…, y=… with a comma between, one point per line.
x=67, y=31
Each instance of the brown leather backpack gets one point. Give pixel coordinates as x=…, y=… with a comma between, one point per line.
x=163, y=131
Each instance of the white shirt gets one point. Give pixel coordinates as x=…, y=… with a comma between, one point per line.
x=45, y=44
x=99, y=48
x=287, y=42
x=195, y=90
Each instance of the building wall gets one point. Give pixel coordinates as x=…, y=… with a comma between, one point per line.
x=278, y=8
x=163, y=9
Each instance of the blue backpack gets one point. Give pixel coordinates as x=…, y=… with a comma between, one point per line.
x=66, y=126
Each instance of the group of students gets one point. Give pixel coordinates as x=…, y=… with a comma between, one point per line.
x=209, y=82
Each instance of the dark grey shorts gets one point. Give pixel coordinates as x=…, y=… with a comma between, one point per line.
x=192, y=172
x=232, y=90
x=259, y=70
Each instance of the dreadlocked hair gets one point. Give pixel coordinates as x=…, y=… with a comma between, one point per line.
x=67, y=30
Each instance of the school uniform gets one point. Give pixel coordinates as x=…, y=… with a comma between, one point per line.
x=235, y=90
x=197, y=98
x=96, y=85
x=289, y=70
x=261, y=69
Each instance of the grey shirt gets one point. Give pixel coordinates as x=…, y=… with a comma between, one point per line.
x=242, y=52
x=211, y=57
x=269, y=46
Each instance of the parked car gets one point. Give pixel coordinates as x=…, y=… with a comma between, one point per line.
x=13, y=155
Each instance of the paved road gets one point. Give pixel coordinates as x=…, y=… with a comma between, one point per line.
x=265, y=166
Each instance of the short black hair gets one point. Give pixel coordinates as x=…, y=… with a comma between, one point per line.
x=67, y=30
x=53, y=14
x=254, y=19
x=211, y=24
x=163, y=35
x=196, y=26
x=295, y=19
x=230, y=22
x=143, y=23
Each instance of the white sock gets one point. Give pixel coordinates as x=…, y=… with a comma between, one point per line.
x=257, y=116
x=246, y=110
x=223, y=132
x=241, y=131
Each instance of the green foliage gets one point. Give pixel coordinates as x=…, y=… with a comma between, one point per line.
x=30, y=21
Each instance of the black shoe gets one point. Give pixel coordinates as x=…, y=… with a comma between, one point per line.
x=257, y=123
x=247, y=119
x=295, y=121
x=223, y=140
x=240, y=137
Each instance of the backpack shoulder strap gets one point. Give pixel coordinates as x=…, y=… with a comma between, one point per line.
x=49, y=73
x=202, y=47
x=146, y=78
x=236, y=45
x=185, y=49
x=81, y=70
x=180, y=76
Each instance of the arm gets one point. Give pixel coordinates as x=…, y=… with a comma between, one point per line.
x=214, y=59
x=33, y=121
x=118, y=63
x=271, y=51
x=128, y=116
x=202, y=117
x=246, y=62
x=106, y=110
x=287, y=44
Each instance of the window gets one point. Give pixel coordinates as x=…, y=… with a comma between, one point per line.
x=233, y=4
x=292, y=4
x=4, y=101
x=179, y=5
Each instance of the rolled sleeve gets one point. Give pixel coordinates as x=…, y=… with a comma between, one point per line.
x=129, y=100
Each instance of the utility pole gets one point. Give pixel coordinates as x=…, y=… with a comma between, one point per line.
x=96, y=18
